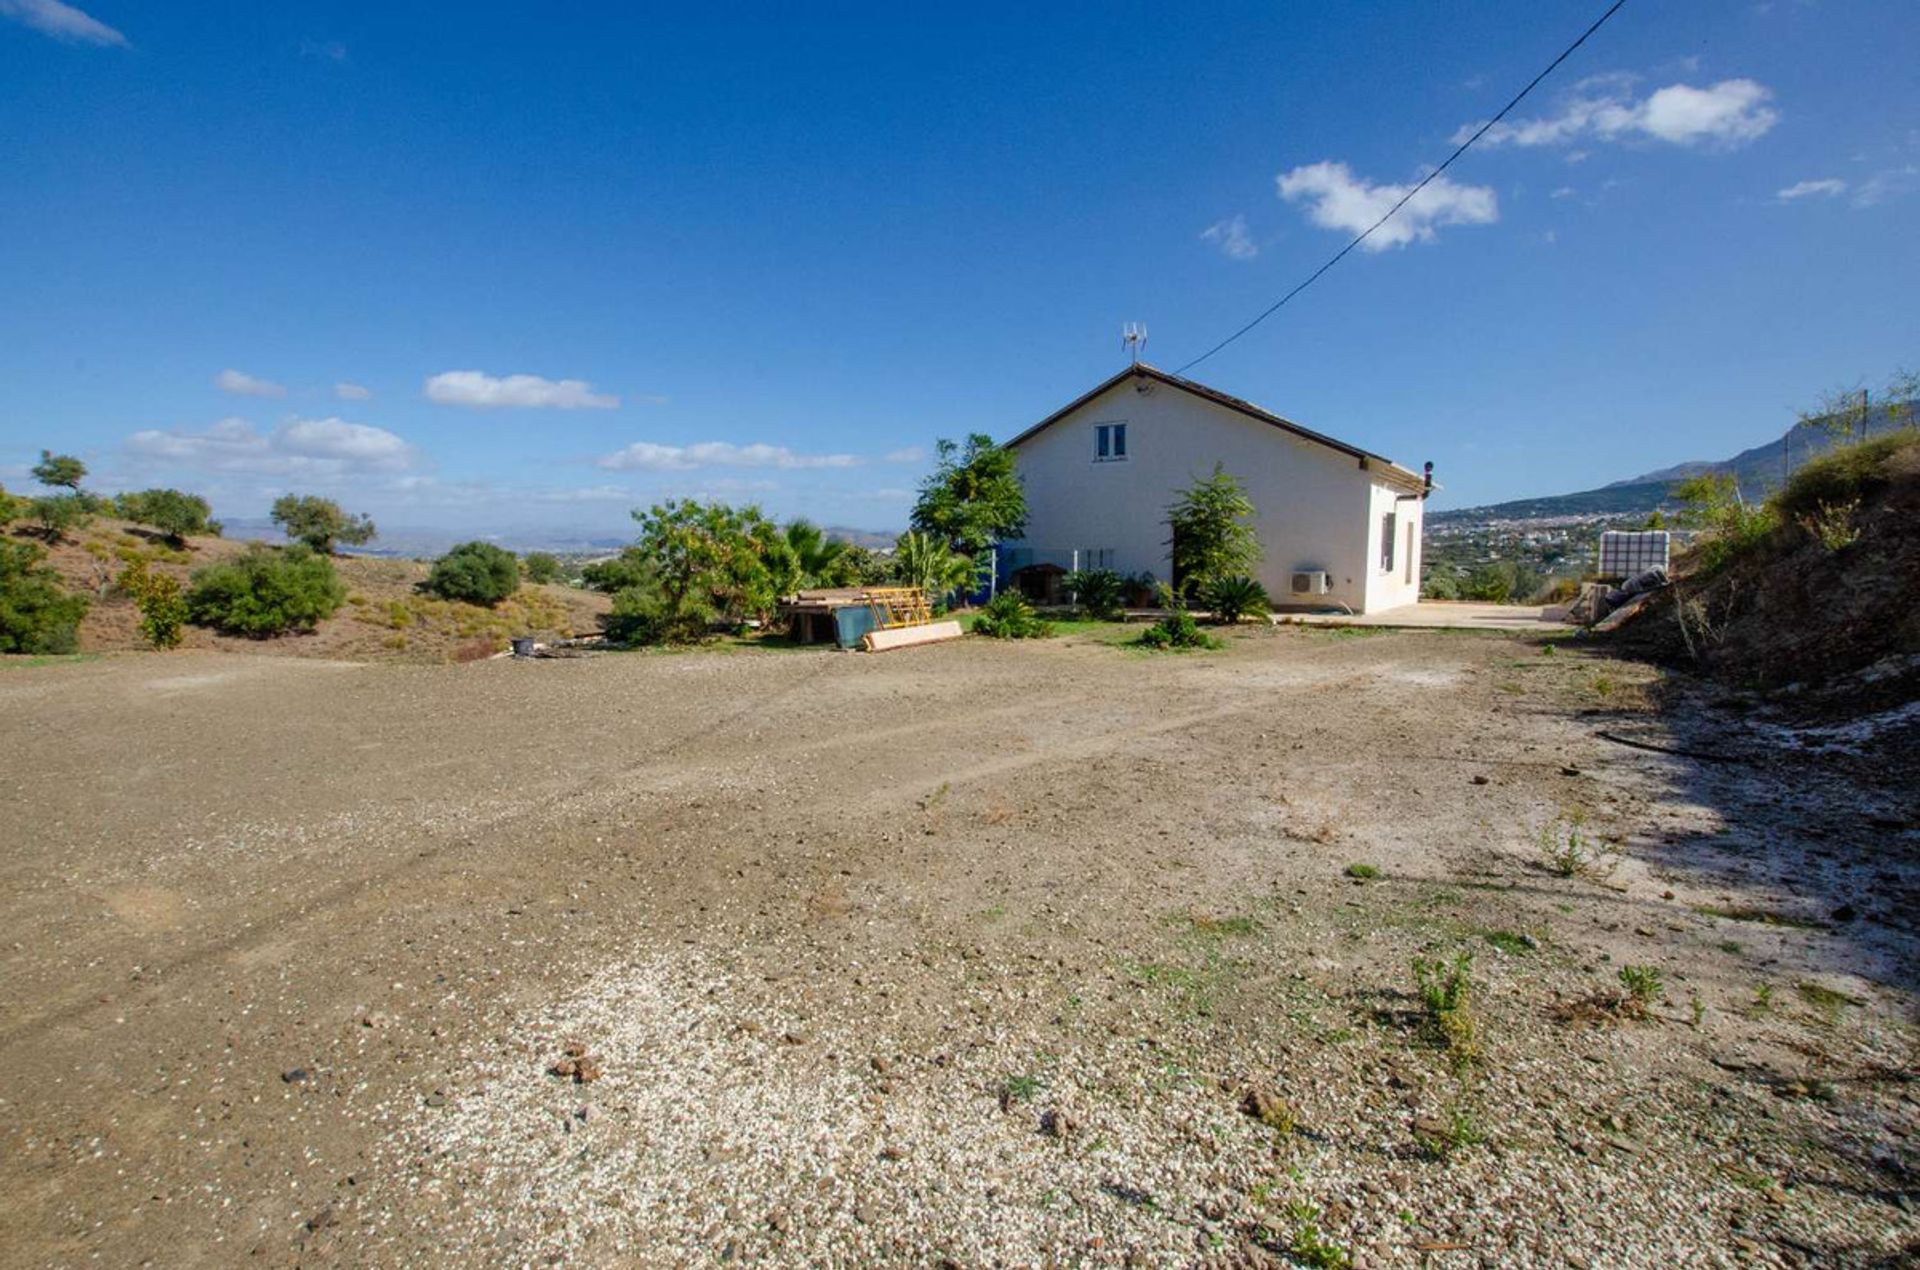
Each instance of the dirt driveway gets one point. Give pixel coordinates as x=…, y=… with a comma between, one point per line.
x=975, y=954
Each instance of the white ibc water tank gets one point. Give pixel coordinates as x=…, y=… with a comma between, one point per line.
x=1624, y=553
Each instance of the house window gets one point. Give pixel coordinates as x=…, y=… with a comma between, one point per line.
x=1388, y=528
x=1096, y=558
x=1109, y=442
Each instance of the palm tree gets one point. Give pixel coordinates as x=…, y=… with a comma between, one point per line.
x=924, y=561
x=815, y=553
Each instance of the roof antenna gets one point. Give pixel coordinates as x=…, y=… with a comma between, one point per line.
x=1133, y=339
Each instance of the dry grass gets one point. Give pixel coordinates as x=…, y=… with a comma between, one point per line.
x=385, y=618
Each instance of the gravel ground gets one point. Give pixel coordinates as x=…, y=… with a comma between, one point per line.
x=974, y=955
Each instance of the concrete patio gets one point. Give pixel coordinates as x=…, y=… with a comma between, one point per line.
x=1442, y=614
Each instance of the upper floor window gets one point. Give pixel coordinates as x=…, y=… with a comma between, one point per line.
x=1109, y=441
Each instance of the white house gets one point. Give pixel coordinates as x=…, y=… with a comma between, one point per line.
x=1338, y=525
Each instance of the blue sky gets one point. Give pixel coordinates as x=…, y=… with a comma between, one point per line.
x=513, y=267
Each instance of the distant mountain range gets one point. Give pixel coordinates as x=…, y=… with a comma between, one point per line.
x=1759, y=471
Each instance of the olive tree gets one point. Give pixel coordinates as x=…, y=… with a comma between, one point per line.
x=319, y=522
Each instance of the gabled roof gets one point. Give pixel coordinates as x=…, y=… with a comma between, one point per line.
x=1141, y=370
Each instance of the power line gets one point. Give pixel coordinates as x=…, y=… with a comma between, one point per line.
x=1519, y=97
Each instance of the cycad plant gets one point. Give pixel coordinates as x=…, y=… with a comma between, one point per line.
x=1232, y=598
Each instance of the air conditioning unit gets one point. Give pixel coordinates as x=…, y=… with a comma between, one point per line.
x=1311, y=582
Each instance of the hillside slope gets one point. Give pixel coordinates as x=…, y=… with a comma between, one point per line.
x=386, y=616
x=1794, y=609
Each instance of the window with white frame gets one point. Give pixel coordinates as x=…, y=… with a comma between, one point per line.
x=1388, y=529
x=1109, y=442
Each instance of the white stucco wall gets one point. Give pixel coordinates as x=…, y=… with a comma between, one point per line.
x=1315, y=507
x=1391, y=587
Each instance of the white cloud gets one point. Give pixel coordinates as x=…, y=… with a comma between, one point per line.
x=1565, y=191
x=1887, y=184
x=1232, y=238
x=1730, y=113
x=241, y=384
x=906, y=454
x=325, y=50
x=346, y=391
x=586, y=494
x=484, y=391
x=61, y=21
x=1828, y=186
x=646, y=456
x=312, y=447
x=1337, y=199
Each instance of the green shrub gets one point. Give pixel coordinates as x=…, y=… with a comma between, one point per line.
x=1442, y=582
x=1101, y=592
x=57, y=513
x=1729, y=525
x=476, y=572
x=641, y=615
x=1177, y=630
x=173, y=512
x=1009, y=616
x=163, y=609
x=630, y=568
x=1232, y=598
x=1843, y=475
x=541, y=566
x=266, y=592
x=1501, y=582
x=36, y=614
x=1644, y=984
x=1446, y=990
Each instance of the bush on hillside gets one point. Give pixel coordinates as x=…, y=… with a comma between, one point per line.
x=630, y=568
x=1009, y=616
x=476, y=572
x=36, y=614
x=1729, y=525
x=1101, y=592
x=163, y=607
x=1233, y=598
x=58, y=513
x=1848, y=474
x=266, y=592
x=173, y=512
x=540, y=566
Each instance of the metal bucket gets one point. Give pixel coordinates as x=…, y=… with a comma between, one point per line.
x=523, y=646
